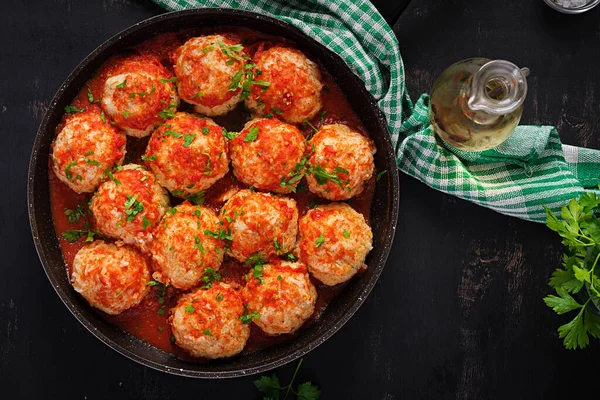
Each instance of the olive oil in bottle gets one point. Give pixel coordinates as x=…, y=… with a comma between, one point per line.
x=477, y=103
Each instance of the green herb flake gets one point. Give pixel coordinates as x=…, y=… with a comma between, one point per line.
x=148, y=158
x=73, y=109
x=379, y=175
x=252, y=134
x=189, y=309
x=320, y=240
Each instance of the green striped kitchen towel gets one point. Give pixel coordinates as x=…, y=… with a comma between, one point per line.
x=527, y=171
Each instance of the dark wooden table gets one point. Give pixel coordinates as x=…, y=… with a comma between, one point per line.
x=458, y=311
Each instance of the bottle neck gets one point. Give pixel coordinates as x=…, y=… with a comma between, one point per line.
x=497, y=89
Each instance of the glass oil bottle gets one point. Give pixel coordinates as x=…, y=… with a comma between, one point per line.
x=477, y=103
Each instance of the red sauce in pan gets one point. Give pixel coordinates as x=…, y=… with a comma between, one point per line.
x=144, y=321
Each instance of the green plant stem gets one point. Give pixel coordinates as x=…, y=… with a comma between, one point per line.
x=292, y=381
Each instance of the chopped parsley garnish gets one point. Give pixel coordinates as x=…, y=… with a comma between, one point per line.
x=320, y=240
x=172, y=211
x=102, y=117
x=221, y=234
x=73, y=235
x=205, y=130
x=197, y=213
x=75, y=214
x=228, y=135
x=209, y=277
x=279, y=277
x=199, y=94
x=307, y=122
x=346, y=234
x=190, y=309
x=146, y=222
x=90, y=161
x=322, y=176
x=126, y=114
x=379, y=175
x=112, y=178
x=276, y=110
x=168, y=112
x=277, y=245
x=290, y=257
x=236, y=79
x=68, y=172
x=252, y=134
x=132, y=207
x=90, y=96
x=219, y=297
x=188, y=139
x=247, y=318
x=231, y=51
x=73, y=109
x=146, y=158
x=172, y=338
x=171, y=80
x=207, y=49
x=171, y=132
x=294, y=176
x=198, y=245
x=122, y=84
x=197, y=198
x=322, y=115
x=207, y=332
x=257, y=273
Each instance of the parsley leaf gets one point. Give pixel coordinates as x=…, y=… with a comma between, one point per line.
x=122, y=84
x=188, y=139
x=270, y=387
x=73, y=109
x=228, y=135
x=146, y=158
x=252, y=134
x=190, y=309
x=209, y=277
x=320, y=240
x=132, y=207
x=580, y=229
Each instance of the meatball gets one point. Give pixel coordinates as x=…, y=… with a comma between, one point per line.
x=139, y=93
x=266, y=154
x=183, y=248
x=283, y=297
x=110, y=277
x=207, y=323
x=294, y=85
x=188, y=154
x=207, y=67
x=340, y=163
x=334, y=241
x=260, y=225
x=84, y=149
x=129, y=205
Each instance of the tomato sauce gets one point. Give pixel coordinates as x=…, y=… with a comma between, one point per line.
x=148, y=320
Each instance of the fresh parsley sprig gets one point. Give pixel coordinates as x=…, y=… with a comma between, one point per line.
x=580, y=229
x=74, y=215
x=270, y=387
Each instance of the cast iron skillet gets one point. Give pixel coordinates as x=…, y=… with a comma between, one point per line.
x=384, y=210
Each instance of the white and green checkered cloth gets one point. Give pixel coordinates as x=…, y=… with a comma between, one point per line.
x=527, y=171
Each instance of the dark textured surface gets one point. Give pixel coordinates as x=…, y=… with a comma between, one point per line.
x=457, y=312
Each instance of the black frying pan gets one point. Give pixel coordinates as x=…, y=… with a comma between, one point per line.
x=384, y=210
